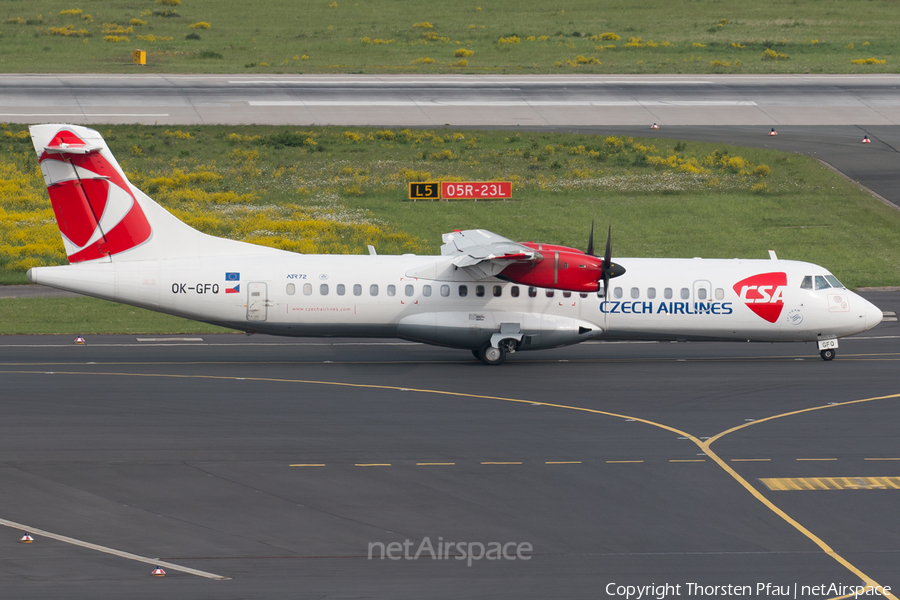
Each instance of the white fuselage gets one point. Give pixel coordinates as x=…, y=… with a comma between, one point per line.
x=425, y=298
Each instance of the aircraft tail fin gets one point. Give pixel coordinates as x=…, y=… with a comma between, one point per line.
x=101, y=215
x=97, y=213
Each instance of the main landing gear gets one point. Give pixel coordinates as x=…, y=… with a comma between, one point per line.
x=827, y=354
x=490, y=355
x=494, y=356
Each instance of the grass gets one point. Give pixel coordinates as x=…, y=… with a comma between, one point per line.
x=86, y=316
x=335, y=190
x=401, y=36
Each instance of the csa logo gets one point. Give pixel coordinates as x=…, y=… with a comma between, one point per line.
x=763, y=294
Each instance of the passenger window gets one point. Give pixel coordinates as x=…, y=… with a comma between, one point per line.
x=323, y=289
x=582, y=295
x=567, y=294
x=498, y=291
x=426, y=290
x=701, y=294
x=618, y=292
x=340, y=289
x=685, y=293
x=833, y=281
x=479, y=290
x=291, y=289
x=463, y=291
x=307, y=289
x=408, y=290
x=445, y=290
x=601, y=292
x=635, y=293
x=357, y=289
x=651, y=293
x=532, y=292
x=514, y=291
x=373, y=289
x=548, y=293
x=667, y=293
x=822, y=283
x=806, y=284
x=391, y=290
x=720, y=294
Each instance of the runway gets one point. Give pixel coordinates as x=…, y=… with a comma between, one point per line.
x=434, y=101
x=274, y=464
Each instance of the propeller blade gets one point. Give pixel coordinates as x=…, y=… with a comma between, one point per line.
x=590, y=249
x=607, y=257
x=609, y=270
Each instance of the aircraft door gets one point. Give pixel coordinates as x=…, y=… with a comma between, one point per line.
x=257, y=301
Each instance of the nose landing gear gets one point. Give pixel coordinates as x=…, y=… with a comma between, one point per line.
x=828, y=348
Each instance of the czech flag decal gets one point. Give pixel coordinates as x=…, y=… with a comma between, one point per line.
x=233, y=290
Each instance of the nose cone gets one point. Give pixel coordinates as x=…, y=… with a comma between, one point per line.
x=873, y=315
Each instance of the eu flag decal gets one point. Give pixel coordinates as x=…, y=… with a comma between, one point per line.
x=232, y=276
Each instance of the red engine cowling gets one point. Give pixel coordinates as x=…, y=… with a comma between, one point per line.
x=560, y=268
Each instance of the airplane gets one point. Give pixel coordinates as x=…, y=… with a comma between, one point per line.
x=484, y=292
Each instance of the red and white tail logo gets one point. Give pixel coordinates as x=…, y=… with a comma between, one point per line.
x=763, y=294
x=97, y=214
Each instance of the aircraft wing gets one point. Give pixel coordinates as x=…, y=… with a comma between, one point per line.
x=473, y=246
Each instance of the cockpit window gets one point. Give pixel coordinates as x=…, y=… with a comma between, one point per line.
x=807, y=283
x=822, y=283
x=833, y=281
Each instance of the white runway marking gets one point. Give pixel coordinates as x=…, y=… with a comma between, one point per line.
x=501, y=103
x=113, y=551
x=486, y=82
x=84, y=114
x=145, y=344
x=174, y=339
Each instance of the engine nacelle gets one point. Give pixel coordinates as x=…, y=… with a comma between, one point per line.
x=567, y=269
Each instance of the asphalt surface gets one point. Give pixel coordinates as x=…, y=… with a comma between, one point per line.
x=182, y=451
x=491, y=100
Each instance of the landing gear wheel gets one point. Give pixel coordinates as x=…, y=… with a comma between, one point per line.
x=827, y=354
x=491, y=356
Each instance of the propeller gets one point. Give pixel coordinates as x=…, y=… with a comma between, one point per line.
x=608, y=269
x=590, y=249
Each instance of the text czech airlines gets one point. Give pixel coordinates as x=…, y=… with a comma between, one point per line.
x=639, y=307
